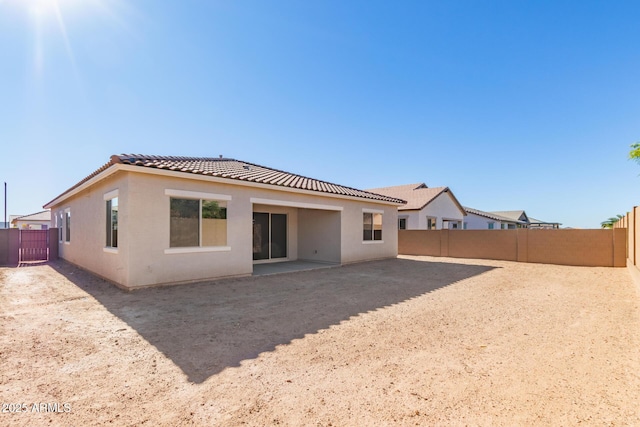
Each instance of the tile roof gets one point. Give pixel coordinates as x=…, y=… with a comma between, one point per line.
x=513, y=215
x=236, y=170
x=491, y=215
x=540, y=222
x=39, y=216
x=417, y=195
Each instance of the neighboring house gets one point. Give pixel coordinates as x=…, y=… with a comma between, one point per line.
x=147, y=220
x=480, y=220
x=426, y=208
x=543, y=225
x=513, y=215
x=36, y=221
x=530, y=222
x=506, y=220
x=11, y=218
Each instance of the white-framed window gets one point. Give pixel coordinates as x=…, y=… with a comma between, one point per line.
x=491, y=225
x=111, y=221
x=371, y=226
x=67, y=225
x=431, y=223
x=60, y=222
x=402, y=223
x=197, y=223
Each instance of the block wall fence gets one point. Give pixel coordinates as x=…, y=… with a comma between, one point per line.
x=630, y=223
x=593, y=248
x=10, y=246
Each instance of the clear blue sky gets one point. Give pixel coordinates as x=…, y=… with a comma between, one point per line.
x=512, y=104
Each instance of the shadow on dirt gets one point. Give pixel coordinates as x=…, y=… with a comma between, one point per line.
x=206, y=327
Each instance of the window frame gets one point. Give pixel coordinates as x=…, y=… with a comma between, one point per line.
x=374, y=213
x=109, y=225
x=200, y=197
x=432, y=223
x=60, y=222
x=402, y=221
x=67, y=226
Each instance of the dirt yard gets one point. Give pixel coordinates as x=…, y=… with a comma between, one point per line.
x=412, y=341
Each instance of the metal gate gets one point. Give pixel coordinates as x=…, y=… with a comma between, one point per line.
x=34, y=246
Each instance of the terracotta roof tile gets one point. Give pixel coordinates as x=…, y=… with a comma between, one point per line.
x=236, y=170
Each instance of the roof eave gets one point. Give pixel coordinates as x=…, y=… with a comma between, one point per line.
x=115, y=167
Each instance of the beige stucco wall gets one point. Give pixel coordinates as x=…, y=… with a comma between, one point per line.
x=144, y=256
x=319, y=235
x=353, y=249
x=88, y=230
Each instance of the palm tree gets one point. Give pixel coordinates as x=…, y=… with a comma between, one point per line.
x=611, y=221
x=634, y=154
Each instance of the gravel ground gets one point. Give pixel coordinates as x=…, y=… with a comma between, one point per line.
x=409, y=341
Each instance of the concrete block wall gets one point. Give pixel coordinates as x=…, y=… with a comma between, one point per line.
x=595, y=248
x=629, y=225
x=484, y=244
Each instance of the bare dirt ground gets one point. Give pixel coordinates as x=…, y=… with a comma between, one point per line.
x=412, y=341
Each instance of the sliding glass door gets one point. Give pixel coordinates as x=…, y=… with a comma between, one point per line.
x=269, y=236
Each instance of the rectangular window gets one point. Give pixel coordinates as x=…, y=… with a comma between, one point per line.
x=431, y=223
x=60, y=227
x=402, y=223
x=465, y=225
x=67, y=221
x=372, y=226
x=491, y=225
x=197, y=223
x=112, y=223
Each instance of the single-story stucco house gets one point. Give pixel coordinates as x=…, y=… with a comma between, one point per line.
x=481, y=220
x=35, y=221
x=502, y=220
x=148, y=220
x=427, y=208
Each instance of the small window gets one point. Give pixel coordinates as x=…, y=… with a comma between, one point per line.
x=465, y=225
x=431, y=223
x=60, y=226
x=502, y=226
x=112, y=223
x=197, y=223
x=402, y=223
x=492, y=225
x=67, y=220
x=372, y=226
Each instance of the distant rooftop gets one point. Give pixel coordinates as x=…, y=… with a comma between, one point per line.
x=39, y=216
x=417, y=195
x=492, y=215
